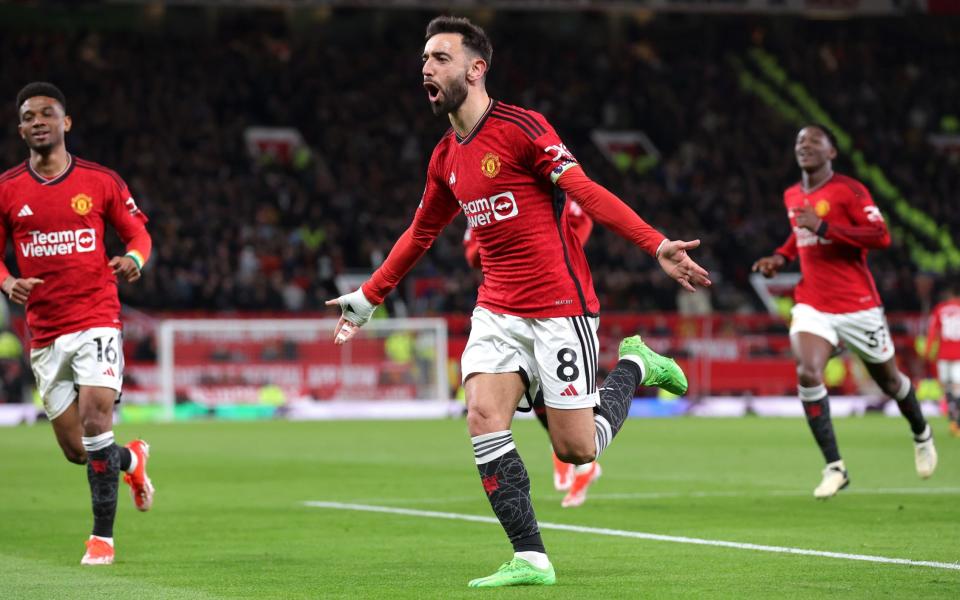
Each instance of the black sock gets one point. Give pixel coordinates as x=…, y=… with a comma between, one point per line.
x=616, y=395
x=540, y=410
x=910, y=408
x=126, y=457
x=953, y=407
x=103, y=468
x=507, y=485
x=816, y=405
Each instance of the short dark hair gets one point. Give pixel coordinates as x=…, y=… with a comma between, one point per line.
x=826, y=131
x=474, y=37
x=41, y=88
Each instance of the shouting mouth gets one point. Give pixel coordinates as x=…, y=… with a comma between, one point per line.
x=433, y=91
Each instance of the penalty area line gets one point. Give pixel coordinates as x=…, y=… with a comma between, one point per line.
x=638, y=535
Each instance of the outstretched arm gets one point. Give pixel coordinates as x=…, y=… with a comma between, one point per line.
x=432, y=216
x=609, y=210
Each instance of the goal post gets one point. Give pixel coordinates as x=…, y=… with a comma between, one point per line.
x=208, y=361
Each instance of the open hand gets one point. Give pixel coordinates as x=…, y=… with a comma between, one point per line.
x=675, y=261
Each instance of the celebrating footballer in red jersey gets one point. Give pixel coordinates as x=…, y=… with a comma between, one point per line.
x=835, y=223
x=54, y=208
x=836, y=278
x=534, y=327
x=943, y=333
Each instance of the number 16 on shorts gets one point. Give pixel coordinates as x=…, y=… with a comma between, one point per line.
x=92, y=357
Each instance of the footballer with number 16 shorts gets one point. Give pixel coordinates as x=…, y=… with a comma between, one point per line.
x=53, y=208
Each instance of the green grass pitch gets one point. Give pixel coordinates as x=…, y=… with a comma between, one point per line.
x=229, y=519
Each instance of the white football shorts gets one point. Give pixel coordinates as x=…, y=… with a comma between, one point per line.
x=949, y=372
x=865, y=331
x=556, y=355
x=91, y=357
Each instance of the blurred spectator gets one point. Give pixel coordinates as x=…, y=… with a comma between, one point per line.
x=167, y=107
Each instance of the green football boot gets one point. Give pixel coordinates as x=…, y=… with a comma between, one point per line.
x=517, y=572
x=661, y=372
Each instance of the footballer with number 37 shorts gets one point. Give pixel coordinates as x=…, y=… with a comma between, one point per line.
x=835, y=223
x=53, y=208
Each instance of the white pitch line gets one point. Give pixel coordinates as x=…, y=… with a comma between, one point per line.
x=781, y=493
x=638, y=535
x=906, y=491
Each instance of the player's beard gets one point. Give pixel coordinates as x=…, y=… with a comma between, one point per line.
x=453, y=98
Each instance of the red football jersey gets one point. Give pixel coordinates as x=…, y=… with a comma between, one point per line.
x=57, y=229
x=502, y=176
x=835, y=276
x=945, y=326
x=580, y=221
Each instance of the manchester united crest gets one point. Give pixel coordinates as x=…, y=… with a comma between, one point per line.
x=822, y=207
x=81, y=204
x=490, y=165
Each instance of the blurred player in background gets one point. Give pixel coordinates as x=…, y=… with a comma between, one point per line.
x=574, y=479
x=944, y=335
x=53, y=207
x=835, y=223
x=536, y=318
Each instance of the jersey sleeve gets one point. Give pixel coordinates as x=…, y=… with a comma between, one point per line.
x=788, y=249
x=549, y=156
x=437, y=208
x=868, y=230
x=550, y=159
x=122, y=212
x=609, y=210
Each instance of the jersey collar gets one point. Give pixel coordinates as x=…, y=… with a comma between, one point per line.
x=44, y=181
x=817, y=187
x=463, y=141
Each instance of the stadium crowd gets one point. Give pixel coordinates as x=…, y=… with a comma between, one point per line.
x=169, y=111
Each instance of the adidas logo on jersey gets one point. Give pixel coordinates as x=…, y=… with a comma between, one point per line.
x=109, y=372
x=25, y=211
x=570, y=391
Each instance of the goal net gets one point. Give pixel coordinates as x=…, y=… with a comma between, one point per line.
x=294, y=361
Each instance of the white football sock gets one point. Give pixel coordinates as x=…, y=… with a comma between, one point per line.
x=537, y=559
